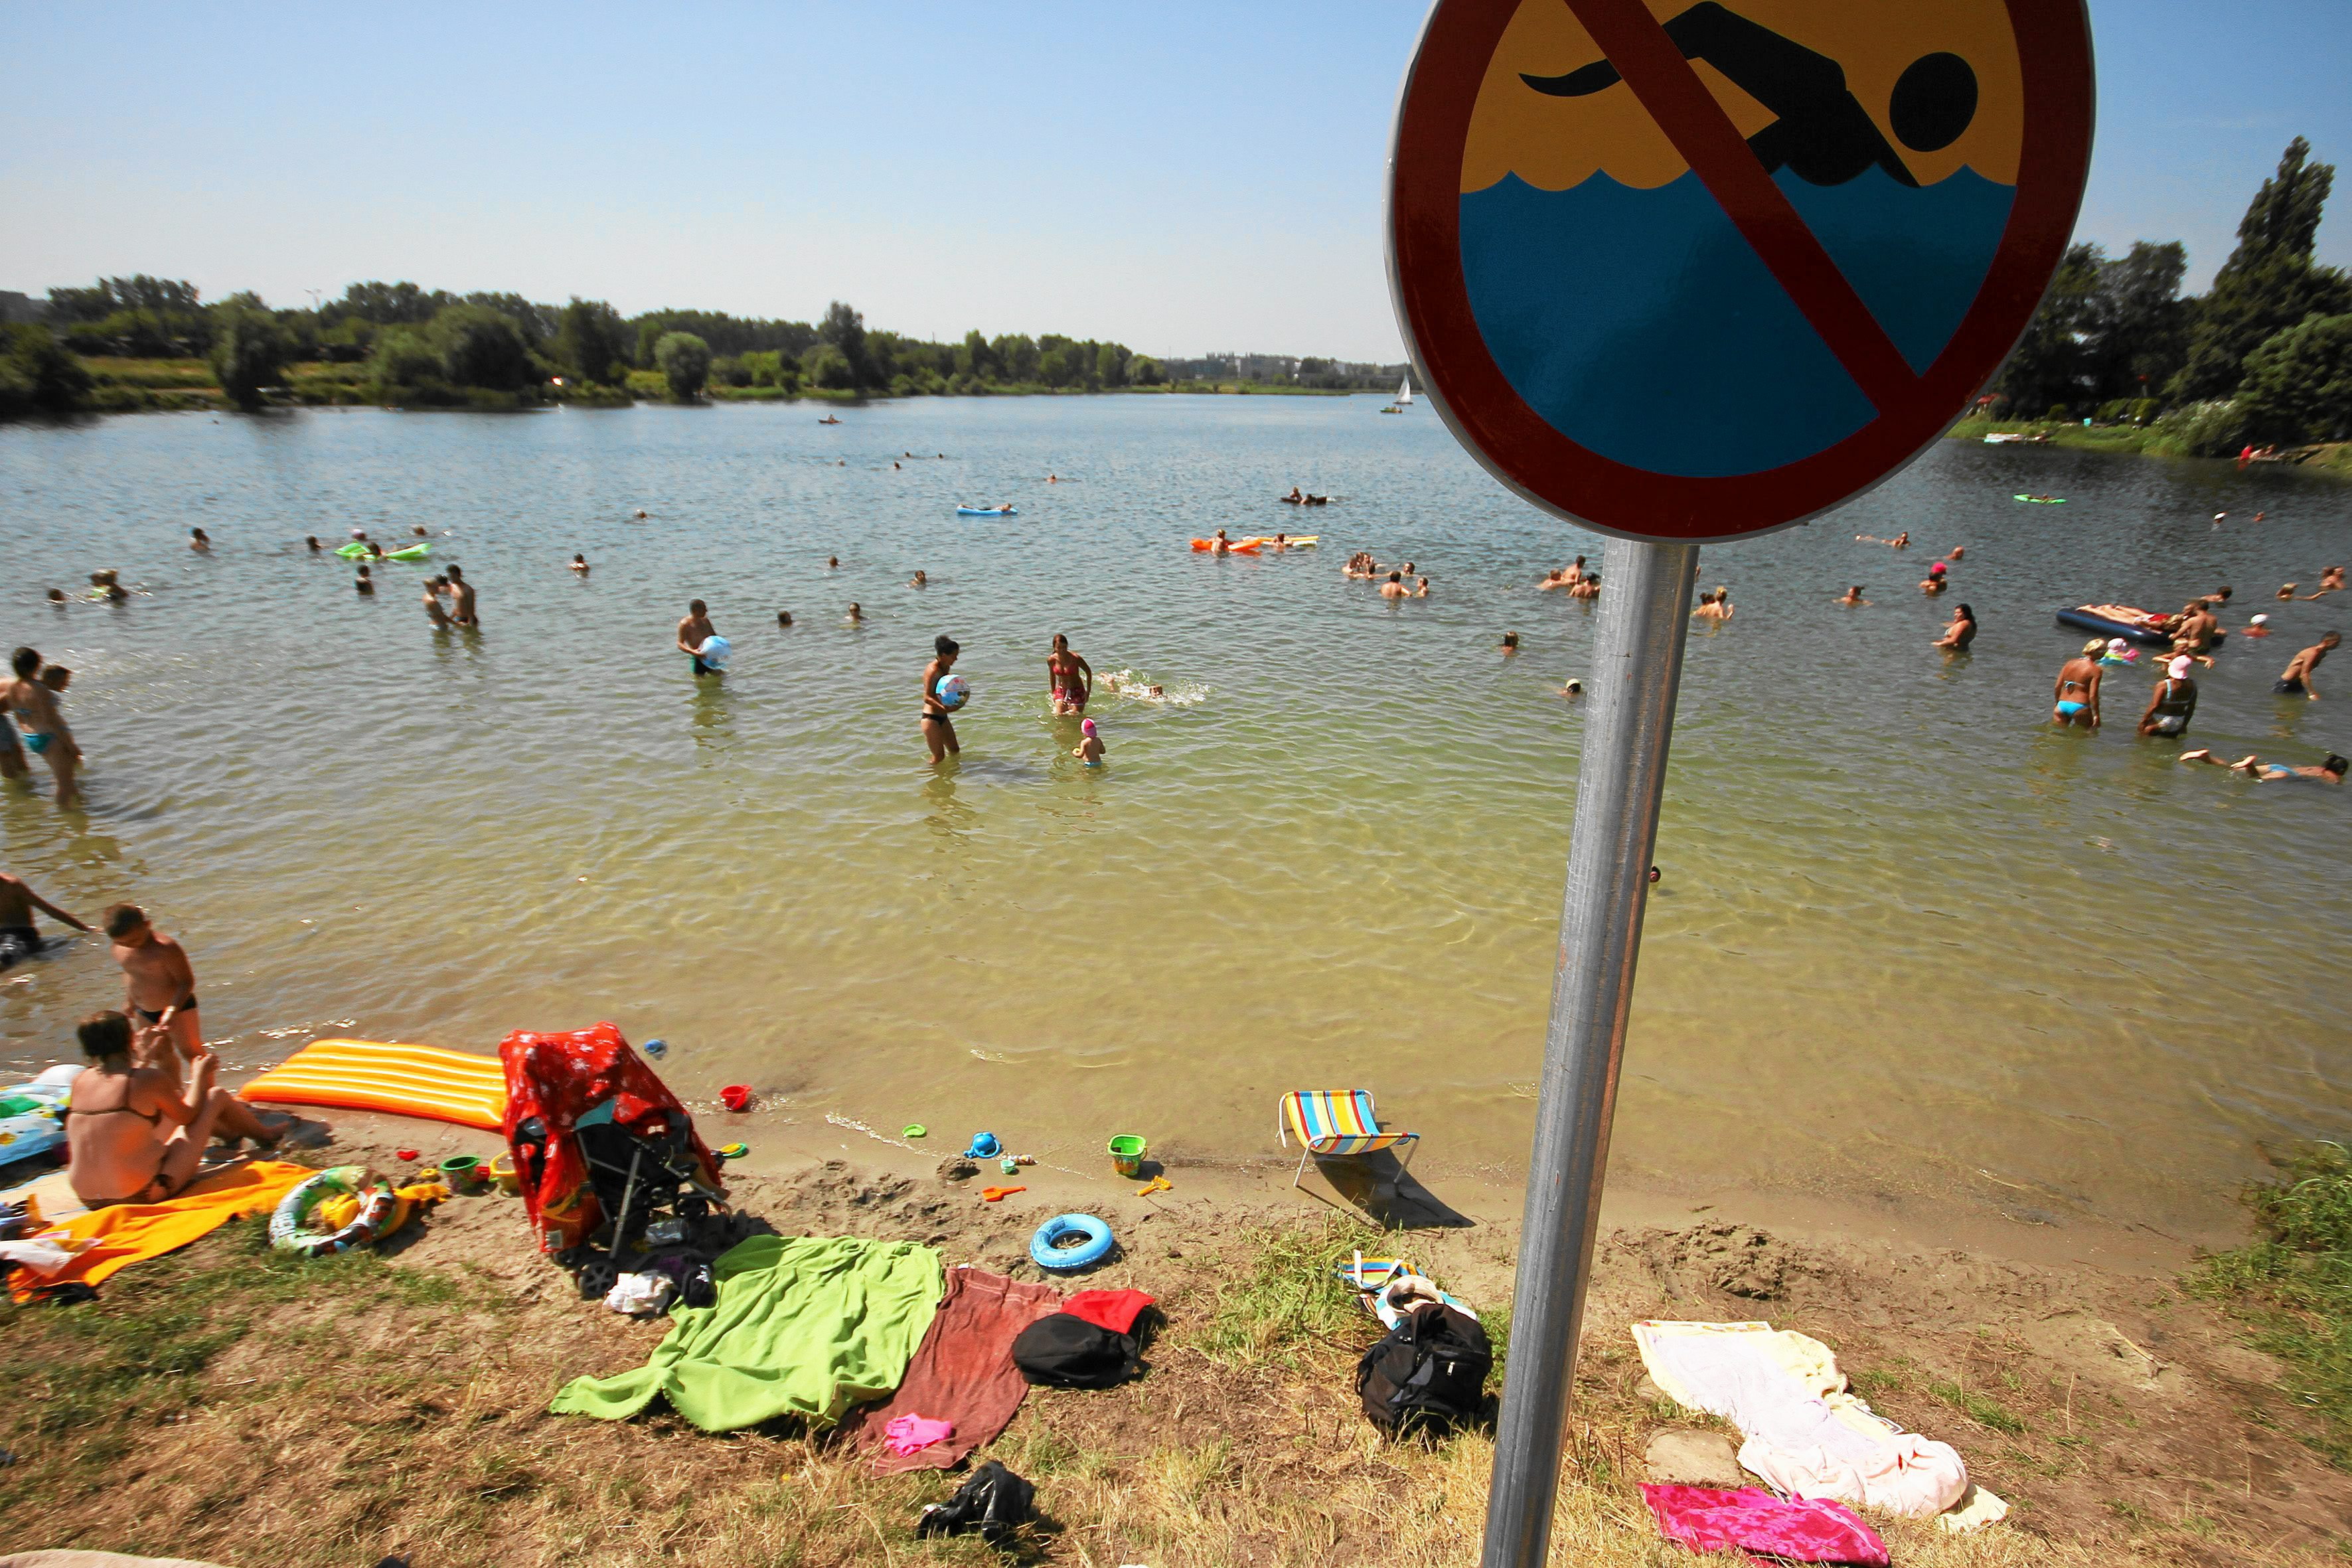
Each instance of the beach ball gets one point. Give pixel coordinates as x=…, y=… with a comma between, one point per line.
x=954, y=692
x=714, y=652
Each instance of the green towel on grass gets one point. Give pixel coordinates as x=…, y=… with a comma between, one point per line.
x=802, y=1327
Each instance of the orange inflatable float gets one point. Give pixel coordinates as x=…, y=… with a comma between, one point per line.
x=406, y=1081
x=1237, y=547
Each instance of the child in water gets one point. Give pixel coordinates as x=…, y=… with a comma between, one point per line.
x=363, y=584
x=579, y=565
x=1090, y=750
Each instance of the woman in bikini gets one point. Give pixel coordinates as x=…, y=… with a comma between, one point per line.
x=134, y=1138
x=2077, y=691
x=1069, y=680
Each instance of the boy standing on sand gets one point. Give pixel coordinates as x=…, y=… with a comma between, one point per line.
x=939, y=728
x=158, y=983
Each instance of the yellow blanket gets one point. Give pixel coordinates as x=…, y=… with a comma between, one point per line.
x=106, y=1239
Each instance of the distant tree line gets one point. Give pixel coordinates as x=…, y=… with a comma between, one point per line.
x=2263, y=357
x=403, y=344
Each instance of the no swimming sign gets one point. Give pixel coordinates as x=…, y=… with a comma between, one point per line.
x=1690, y=272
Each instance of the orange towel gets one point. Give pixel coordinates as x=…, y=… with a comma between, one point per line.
x=124, y=1234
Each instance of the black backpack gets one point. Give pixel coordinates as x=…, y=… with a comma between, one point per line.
x=1065, y=1351
x=994, y=1501
x=1430, y=1372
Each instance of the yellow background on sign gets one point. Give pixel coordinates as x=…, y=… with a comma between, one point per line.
x=1556, y=143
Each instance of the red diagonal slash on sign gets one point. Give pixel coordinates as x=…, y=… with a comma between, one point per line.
x=1671, y=90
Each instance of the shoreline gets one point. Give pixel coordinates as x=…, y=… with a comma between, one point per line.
x=2140, y=440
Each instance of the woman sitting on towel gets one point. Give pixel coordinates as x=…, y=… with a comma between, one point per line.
x=136, y=1137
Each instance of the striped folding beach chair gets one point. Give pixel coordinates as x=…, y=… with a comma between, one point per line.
x=1335, y=1123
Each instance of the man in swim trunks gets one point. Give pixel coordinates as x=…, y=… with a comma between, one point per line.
x=159, y=984
x=35, y=708
x=117, y=1113
x=693, y=631
x=939, y=729
x=1394, y=587
x=463, y=592
x=2293, y=682
x=2170, y=711
x=19, y=937
x=1069, y=680
x=2077, y=691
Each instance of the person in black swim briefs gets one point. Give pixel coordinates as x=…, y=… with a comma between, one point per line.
x=939, y=728
x=159, y=986
x=2295, y=679
x=1822, y=134
x=19, y=937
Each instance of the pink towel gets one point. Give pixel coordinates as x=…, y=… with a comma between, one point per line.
x=913, y=1434
x=1814, y=1530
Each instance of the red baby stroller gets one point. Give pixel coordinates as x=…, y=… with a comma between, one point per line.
x=599, y=1143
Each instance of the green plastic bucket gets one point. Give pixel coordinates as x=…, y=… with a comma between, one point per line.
x=461, y=1172
x=1127, y=1153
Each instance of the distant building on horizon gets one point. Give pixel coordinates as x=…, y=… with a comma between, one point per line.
x=1286, y=369
x=18, y=310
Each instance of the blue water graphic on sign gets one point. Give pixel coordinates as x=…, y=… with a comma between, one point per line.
x=1640, y=325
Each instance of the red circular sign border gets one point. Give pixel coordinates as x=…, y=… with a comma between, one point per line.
x=1515, y=444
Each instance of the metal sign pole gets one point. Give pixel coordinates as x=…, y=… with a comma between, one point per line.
x=1637, y=665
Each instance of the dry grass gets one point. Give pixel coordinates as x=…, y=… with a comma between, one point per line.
x=231, y=1403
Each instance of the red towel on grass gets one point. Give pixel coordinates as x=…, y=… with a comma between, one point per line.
x=1812, y=1530
x=963, y=1372
x=1114, y=1310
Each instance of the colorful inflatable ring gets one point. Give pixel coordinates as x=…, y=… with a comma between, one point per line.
x=1047, y=1252
x=289, y=1226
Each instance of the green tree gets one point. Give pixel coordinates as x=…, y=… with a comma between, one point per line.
x=482, y=346
x=1017, y=354
x=685, y=360
x=589, y=338
x=976, y=359
x=2051, y=364
x=844, y=329
x=1111, y=365
x=826, y=367
x=401, y=364
x=2139, y=334
x=1145, y=370
x=2270, y=281
x=250, y=347
x=37, y=376
x=2298, y=384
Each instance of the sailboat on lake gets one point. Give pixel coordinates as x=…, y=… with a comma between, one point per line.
x=1403, y=397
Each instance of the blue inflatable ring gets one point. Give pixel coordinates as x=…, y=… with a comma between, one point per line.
x=1045, y=1251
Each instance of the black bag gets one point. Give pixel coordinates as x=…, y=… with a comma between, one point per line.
x=994, y=1501
x=1429, y=1371
x=1065, y=1351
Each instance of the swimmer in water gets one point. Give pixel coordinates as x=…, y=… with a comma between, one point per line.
x=2174, y=703
x=2076, y=695
x=199, y=540
x=1961, y=631
x=57, y=597
x=783, y=620
x=694, y=629
x=461, y=597
x=2331, y=580
x=1957, y=550
x=2260, y=626
x=919, y=581
x=417, y=528
x=312, y=541
x=1394, y=587
x=2295, y=679
x=579, y=565
x=1586, y=587
x=938, y=726
x=1420, y=590
x=1853, y=597
x=2330, y=771
x=1509, y=645
x=363, y=583
x=832, y=562
x=1090, y=750
x=641, y=514
x=856, y=616
x=1933, y=583
x=1573, y=690
x=435, y=610
x=1069, y=680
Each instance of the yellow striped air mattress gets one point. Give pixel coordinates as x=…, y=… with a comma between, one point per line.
x=406, y=1081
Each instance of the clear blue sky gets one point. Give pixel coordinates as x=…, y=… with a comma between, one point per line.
x=1182, y=177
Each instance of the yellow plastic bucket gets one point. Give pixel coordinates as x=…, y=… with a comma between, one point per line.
x=1127, y=1154
x=502, y=1171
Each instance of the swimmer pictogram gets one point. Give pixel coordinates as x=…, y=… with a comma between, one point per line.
x=1700, y=270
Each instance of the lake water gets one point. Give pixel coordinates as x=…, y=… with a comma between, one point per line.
x=1911, y=946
